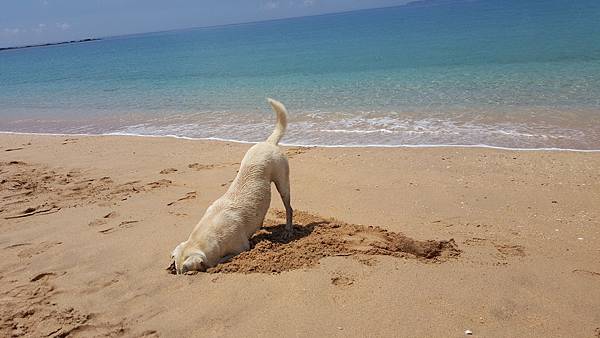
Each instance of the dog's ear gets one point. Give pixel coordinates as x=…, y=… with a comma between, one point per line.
x=193, y=263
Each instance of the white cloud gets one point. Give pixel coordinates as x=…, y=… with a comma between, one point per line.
x=64, y=25
x=270, y=4
x=292, y=4
x=39, y=28
x=45, y=2
x=12, y=31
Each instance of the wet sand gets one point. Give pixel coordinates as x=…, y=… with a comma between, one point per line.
x=389, y=242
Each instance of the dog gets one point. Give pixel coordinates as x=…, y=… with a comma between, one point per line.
x=231, y=220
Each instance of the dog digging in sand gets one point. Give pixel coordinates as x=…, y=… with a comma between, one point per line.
x=230, y=221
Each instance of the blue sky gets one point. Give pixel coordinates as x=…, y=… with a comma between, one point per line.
x=37, y=21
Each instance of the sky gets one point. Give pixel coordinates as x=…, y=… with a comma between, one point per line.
x=25, y=22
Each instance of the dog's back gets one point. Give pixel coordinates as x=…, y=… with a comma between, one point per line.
x=250, y=193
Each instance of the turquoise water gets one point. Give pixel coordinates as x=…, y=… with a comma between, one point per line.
x=520, y=74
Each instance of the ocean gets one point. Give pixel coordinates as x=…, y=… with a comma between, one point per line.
x=514, y=74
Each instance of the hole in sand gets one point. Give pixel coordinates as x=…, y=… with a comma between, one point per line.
x=315, y=238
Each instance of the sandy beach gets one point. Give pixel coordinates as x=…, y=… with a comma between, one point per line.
x=403, y=242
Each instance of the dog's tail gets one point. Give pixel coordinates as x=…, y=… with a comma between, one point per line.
x=281, y=124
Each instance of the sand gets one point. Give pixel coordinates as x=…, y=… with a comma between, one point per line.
x=411, y=242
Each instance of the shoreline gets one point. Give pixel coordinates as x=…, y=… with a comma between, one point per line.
x=283, y=144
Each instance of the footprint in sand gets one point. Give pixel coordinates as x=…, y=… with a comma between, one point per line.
x=111, y=214
x=500, y=251
x=586, y=272
x=168, y=171
x=293, y=152
x=45, y=276
x=101, y=283
x=339, y=279
x=16, y=163
x=149, y=334
x=110, y=218
x=506, y=250
x=33, y=211
x=122, y=225
x=198, y=166
x=366, y=260
x=179, y=214
x=475, y=241
x=12, y=246
x=69, y=140
x=37, y=249
x=103, y=220
x=188, y=196
x=159, y=184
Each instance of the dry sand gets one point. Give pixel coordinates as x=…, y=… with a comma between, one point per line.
x=389, y=242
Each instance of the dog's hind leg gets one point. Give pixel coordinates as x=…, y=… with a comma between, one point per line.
x=282, y=182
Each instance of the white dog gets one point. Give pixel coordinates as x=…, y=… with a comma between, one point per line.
x=230, y=221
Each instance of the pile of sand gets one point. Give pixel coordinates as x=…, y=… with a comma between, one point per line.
x=315, y=238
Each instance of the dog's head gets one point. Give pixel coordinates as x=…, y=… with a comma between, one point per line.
x=188, y=259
